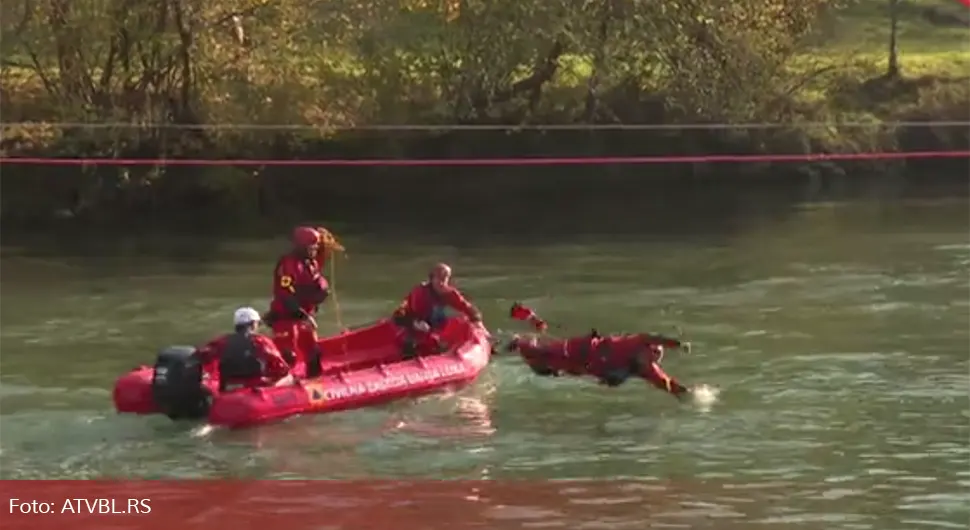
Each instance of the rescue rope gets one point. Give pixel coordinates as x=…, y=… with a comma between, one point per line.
x=333, y=246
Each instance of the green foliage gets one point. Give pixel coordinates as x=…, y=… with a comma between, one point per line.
x=169, y=65
x=343, y=62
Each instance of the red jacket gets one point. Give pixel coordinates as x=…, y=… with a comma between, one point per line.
x=299, y=287
x=273, y=365
x=423, y=301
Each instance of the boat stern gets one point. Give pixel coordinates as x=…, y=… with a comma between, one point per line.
x=133, y=392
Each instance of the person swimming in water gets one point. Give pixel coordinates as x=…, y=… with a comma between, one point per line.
x=612, y=359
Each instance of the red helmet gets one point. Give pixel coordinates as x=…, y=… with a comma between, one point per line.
x=305, y=236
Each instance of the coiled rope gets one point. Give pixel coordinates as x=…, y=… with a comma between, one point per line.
x=332, y=246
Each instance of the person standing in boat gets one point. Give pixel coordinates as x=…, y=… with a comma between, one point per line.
x=425, y=309
x=244, y=357
x=299, y=288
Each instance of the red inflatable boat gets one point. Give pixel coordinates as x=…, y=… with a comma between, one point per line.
x=361, y=368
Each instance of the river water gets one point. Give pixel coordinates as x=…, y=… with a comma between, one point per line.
x=837, y=335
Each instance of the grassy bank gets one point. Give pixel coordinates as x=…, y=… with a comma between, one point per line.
x=337, y=65
x=933, y=42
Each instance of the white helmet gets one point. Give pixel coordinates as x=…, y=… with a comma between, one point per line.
x=245, y=316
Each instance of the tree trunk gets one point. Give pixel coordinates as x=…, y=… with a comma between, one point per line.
x=893, y=71
x=599, y=61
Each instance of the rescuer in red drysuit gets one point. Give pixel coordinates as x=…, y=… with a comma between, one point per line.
x=245, y=357
x=299, y=288
x=612, y=360
x=424, y=310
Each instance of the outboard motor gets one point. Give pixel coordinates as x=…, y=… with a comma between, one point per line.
x=177, y=384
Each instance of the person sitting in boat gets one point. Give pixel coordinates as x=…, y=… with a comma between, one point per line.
x=299, y=288
x=612, y=360
x=245, y=357
x=424, y=309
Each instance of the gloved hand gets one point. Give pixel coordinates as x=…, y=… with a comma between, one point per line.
x=422, y=326
x=308, y=319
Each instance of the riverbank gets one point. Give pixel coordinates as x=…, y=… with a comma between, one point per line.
x=813, y=66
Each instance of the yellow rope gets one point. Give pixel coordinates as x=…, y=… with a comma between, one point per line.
x=332, y=246
x=336, y=303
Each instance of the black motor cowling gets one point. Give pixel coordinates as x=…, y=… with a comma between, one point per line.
x=177, y=384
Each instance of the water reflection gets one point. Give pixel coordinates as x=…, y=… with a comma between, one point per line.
x=469, y=419
x=335, y=446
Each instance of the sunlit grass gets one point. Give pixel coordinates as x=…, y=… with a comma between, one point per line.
x=925, y=27
x=856, y=38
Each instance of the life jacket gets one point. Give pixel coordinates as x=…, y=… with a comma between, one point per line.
x=307, y=297
x=240, y=360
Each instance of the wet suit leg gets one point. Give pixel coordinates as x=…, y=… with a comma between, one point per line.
x=409, y=350
x=406, y=336
x=414, y=343
x=286, y=334
x=307, y=344
x=417, y=342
